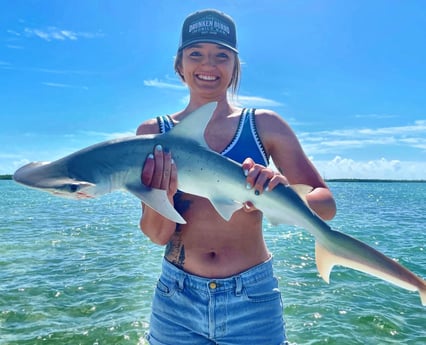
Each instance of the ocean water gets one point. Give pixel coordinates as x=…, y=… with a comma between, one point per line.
x=81, y=272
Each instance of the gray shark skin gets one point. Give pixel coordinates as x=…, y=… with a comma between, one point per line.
x=117, y=164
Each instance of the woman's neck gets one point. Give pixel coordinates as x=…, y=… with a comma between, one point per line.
x=223, y=105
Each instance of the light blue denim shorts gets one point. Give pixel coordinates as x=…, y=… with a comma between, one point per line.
x=192, y=310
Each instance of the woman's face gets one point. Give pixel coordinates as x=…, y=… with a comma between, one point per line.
x=207, y=67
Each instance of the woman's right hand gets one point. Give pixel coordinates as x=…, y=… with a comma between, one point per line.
x=159, y=171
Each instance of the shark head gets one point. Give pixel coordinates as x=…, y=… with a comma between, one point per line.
x=40, y=175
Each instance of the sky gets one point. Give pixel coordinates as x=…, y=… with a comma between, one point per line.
x=348, y=76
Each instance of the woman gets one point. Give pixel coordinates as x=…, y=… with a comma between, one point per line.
x=217, y=284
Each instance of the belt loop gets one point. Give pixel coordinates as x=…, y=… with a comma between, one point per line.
x=238, y=286
x=181, y=281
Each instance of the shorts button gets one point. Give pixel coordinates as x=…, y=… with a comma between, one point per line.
x=212, y=285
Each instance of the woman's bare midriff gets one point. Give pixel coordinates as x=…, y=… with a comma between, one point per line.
x=212, y=247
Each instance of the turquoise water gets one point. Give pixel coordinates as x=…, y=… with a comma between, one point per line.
x=81, y=272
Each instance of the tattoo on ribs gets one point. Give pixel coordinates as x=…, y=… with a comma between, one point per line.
x=175, y=250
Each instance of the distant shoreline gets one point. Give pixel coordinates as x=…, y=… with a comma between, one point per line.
x=369, y=180
x=9, y=177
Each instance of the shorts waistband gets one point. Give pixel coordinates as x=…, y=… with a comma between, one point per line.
x=253, y=275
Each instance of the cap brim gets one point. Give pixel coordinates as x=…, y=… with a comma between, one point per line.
x=206, y=40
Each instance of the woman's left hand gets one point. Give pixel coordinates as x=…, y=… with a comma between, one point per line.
x=260, y=178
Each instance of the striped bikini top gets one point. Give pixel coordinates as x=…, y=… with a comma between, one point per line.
x=246, y=141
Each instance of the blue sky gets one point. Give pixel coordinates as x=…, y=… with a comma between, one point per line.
x=348, y=76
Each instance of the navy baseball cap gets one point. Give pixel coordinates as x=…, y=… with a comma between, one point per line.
x=209, y=26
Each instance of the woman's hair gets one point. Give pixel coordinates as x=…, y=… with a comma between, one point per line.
x=236, y=73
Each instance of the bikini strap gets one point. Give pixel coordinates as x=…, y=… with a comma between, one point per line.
x=165, y=123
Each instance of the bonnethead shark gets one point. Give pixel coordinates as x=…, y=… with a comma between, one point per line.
x=116, y=165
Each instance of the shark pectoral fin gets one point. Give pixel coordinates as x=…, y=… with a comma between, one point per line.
x=302, y=190
x=225, y=207
x=157, y=200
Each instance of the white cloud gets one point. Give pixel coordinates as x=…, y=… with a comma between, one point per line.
x=419, y=143
x=340, y=167
x=6, y=65
x=411, y=135
x=249, y=101
x=256, y=101
x=418, y=126
x=245, y=101
x=375, y=116
x=13, y=46
x=10, y=166
x=53, y=33
x=163, y=85
x=109, y=135
x=13, y=33
x=68, y=86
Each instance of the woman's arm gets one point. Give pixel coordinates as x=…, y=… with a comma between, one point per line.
x=292, y=163
x=159, y=171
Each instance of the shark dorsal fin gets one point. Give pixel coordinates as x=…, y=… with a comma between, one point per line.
x=194, y=124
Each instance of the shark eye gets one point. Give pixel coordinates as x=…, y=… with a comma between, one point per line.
x=73, y=187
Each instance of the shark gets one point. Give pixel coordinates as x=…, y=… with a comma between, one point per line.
x=116, y=165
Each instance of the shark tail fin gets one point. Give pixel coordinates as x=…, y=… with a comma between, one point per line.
x=400, y=276
x=422, y=291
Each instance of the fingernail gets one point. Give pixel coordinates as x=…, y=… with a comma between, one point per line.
x=173, y=161
x=267, y=189
x=150, y=156
x=245, y=172
x=159, y=148
x=248, y=186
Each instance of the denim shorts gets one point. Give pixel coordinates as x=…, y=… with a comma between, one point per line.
x=192, y=310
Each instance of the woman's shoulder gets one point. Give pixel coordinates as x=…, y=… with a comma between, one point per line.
x=148, y=127
x=153, y=125
x=269, y=120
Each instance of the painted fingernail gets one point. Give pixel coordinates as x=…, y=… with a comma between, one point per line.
x=267, y=189
x=248, y=186
x=245, y=172
x=159, y=148
x=150, y=156
x=173, y=161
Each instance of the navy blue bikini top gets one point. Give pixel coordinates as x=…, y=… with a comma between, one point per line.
x=246, y=141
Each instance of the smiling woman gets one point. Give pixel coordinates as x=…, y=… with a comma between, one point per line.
x=198, y=53
x=202, y=28
x=227, y=260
